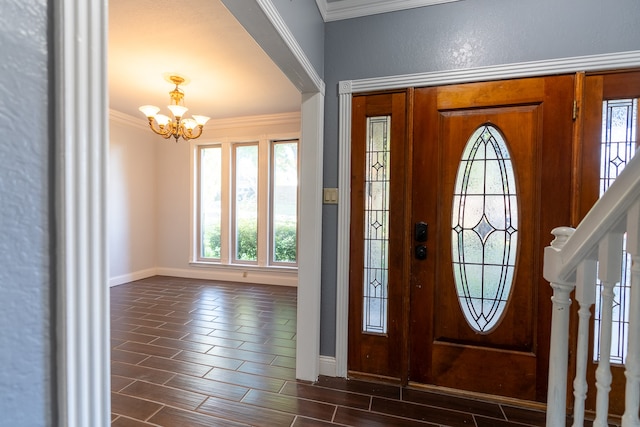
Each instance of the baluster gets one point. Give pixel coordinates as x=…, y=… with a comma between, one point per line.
x=559, y=346
x=609, y=273
x=585, y=295
x=632, y=368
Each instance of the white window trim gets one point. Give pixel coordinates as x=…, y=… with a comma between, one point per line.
x=227, y=260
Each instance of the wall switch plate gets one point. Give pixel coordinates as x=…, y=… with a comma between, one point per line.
x=330, y=196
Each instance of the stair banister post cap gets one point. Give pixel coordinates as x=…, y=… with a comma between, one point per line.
x=562, y=234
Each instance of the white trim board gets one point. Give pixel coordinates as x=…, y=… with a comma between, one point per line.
x=81, y=153
x=222, y=273
x=346, y=9
x=233, y=274
x=132, y=277
x=346, y=88
x=328, y=366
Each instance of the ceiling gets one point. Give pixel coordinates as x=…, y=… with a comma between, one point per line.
x=230, y=75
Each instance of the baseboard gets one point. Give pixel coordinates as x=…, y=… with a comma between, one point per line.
x=328, y=366
x=239, y=275
x=130, y=277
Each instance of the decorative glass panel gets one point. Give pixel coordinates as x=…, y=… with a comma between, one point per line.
x=484, y=228
x=376, y=224
x=619, y=130
x=210, y=201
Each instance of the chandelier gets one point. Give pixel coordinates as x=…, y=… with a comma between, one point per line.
x=178, y=126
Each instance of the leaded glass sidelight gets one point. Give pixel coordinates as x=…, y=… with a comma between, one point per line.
x=618, y=146
x=376, y=224
x=484, y=228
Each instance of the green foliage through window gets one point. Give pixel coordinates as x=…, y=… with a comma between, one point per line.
x=247, y=243
x=285, y=245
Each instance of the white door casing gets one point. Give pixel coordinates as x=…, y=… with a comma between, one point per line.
x=347, y=88
x=81, y=164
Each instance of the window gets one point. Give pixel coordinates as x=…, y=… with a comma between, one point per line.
x=210, y=201
x=246, y=203
x=284, y=202
x=618, y=146
x=484, y=228
x=376, y=235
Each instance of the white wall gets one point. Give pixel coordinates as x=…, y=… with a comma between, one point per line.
x=131, y=199
x=149, y=199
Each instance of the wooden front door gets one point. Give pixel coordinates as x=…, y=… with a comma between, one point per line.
x=491, y=178
x=478, y=175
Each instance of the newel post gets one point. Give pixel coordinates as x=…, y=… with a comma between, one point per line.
x=559, y=349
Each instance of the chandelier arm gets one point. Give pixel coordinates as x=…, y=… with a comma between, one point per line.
x=188, y=134
x=163, y=132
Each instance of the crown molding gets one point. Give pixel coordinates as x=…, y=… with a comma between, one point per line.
x=127, y=119
x=346, y=9
x=250, y=121
x=215, y=124
x=545, y=67
x=322, y=7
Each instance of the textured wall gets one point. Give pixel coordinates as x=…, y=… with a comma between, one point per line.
x=25, y=217
x=463, y=34
x=305, y=23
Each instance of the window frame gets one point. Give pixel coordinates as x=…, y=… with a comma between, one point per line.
x=227, y=228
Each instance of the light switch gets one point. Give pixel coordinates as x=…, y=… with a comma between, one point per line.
x=330, y=196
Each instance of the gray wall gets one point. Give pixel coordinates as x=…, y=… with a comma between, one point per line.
x=305, y=22
x=469, y=33
x=302, y=18
x=25, y=217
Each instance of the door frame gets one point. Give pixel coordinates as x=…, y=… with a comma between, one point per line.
x=347, y=88
x=80, y=129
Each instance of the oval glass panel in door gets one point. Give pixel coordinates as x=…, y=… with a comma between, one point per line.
x=484, y=228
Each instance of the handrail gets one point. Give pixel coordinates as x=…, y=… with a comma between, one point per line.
x=603, y=217
x=570, y=263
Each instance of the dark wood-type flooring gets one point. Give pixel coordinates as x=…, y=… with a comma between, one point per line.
x=199, y=353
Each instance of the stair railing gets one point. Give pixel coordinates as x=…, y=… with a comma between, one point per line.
x=572, y=262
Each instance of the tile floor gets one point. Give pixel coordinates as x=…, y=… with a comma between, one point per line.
x=199, y=353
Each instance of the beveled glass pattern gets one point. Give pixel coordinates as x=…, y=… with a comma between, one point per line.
x=484, y=228
x=619, y=121
x=376, y=224
x=619, y=130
